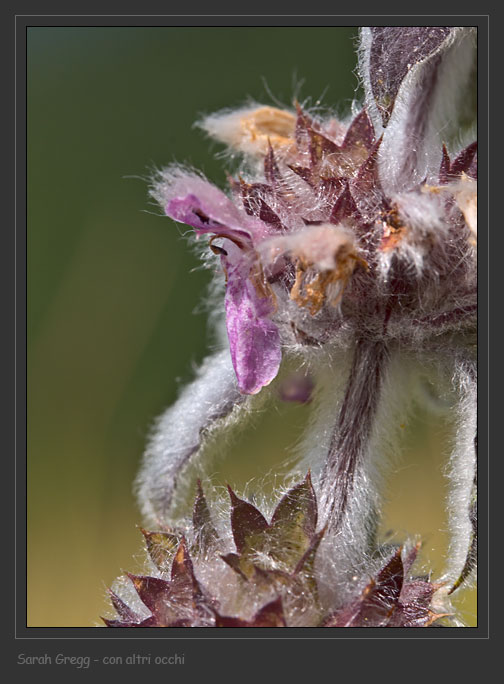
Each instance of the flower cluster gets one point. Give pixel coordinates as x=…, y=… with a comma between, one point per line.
x=350, y=247
x=271, y=579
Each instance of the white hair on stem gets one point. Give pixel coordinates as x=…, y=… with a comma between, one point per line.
x=210, y=402
x=346, y=387
x=330, y=366
x=364, y=53
x=462, y=475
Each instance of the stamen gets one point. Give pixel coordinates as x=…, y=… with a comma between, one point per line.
x=393, y=230
x=312, y=288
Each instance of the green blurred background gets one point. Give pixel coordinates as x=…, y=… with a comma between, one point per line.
x=113, y=289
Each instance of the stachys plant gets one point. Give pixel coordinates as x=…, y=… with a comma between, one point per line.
x=348, y=247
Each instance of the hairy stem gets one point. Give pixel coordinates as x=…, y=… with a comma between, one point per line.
x=181, y=432
x=463, y=475
x=350, y=438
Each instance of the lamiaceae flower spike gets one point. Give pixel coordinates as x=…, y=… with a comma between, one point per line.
x=271, y=578
x=349, y=246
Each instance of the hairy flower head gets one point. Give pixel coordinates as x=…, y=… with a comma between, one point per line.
x=311, y=245
x=270, y=578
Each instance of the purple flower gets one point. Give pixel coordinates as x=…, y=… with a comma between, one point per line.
x=253, y=337
x=320, y=217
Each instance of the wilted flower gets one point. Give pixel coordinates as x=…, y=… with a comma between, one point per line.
x=349, y=246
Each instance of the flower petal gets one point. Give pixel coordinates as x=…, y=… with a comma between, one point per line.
x=253, y=338
x=191, y=211
x=192, y=200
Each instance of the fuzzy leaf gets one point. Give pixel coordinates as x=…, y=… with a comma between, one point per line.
x=420, y=83
x=298, y=508
x=178, y=601
x=360, y=132
x=418, y=591
x=389, y=580
x=278, y=558
x=410, y=558
x=444, y=171
x=320, y=146
x=390, y=601
x=465, y=162
x=306, y=563
x=303, y=125
x=365, y=188
x=271, y=171
x=161, y=547
x=247, y=523
x=123, y=610
x=472, y=552
x=181, y=434
x=377, y=602
x=293, y=524
x=394, y=51
x=253, y=198
x=148, y=622
x=270, y=615
x=159, y=597
x=283, y=550
x=204, y=530
x=303, y=172
x=182, y=568
x=235, y=562
x=345, y=208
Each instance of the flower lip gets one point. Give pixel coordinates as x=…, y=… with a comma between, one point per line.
x=189, y=210
x=254, y=339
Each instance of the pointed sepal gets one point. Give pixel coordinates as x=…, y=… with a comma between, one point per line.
x=161, y=547
x=270, y=615
x=247, y=523
x=204, y=530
